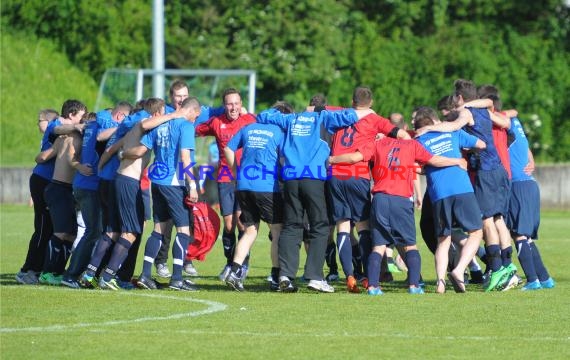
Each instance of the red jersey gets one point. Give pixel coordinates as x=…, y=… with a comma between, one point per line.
x=350, y=139
x=223, y=130
x=500, y=140
x=394, y=164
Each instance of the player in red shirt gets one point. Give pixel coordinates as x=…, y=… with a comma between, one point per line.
x=223, y=128
x=349, y=186
x=392, y=212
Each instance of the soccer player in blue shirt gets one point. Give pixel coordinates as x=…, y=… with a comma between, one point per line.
x=173, y=146
x=304, y=174
x=452, y=201
x=523, y=218
x=491, y=179
x=258, y=191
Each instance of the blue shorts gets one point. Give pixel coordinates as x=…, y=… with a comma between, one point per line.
x=130, y=202
x=61, y=204
x=146, y=202
x=350, y=199
x=168, y=203
x=392, y=220
x=524, y=209
x=459, y=210
x=228, y=200
x=256, y=206
x=492, y=190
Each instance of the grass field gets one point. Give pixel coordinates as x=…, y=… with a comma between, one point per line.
x=40, y=322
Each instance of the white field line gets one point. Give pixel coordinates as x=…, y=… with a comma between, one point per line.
x=212, y=308
x=341, y=335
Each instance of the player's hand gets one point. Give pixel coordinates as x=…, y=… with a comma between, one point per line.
x=84, y=169
x=379, y=136
x=463, y=164
x=418, y=202
x=79, y=128
x=191, y=198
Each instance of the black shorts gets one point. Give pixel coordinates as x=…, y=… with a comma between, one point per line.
x=256, y=206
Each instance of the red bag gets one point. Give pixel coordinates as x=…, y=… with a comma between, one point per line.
x=206, y=231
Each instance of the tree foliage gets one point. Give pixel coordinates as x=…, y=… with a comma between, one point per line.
x=408, y=52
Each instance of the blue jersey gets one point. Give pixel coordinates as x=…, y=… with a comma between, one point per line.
x=109, y=171
x=488, y=158
x=452, y=180
x=88, y=156
x=166, y=141
x=46, y=169
x=105, y=120
x=206, y=112
x=518, y=151
x=259, y=169
x=304, y=151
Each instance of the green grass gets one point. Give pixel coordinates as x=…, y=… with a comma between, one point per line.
x=40, y=322
x=34, y=76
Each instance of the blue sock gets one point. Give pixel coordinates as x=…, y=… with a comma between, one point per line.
x=229, y=243
x=103, y=245
x=414, y=264
x=53, y=254
x=365, y=243
x=178, y=254
x=493, y=257
x=525, y=258
x=120, y=252
x=538, y=264
x=151, y=250
x=345, y=252
x=506, y=255
x=373, y=274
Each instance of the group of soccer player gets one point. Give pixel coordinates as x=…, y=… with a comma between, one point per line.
x=308, y=175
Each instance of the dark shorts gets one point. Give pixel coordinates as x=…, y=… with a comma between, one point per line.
x=130, y=202
x=228, y=200
x=168, y=203
x=111, y=219
x=524, y=209
x=492, y=190
x=457, y=211
x=350, y=199
x=392, y=220
x=147, y=204
x=61, y=204
x=256, y=206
